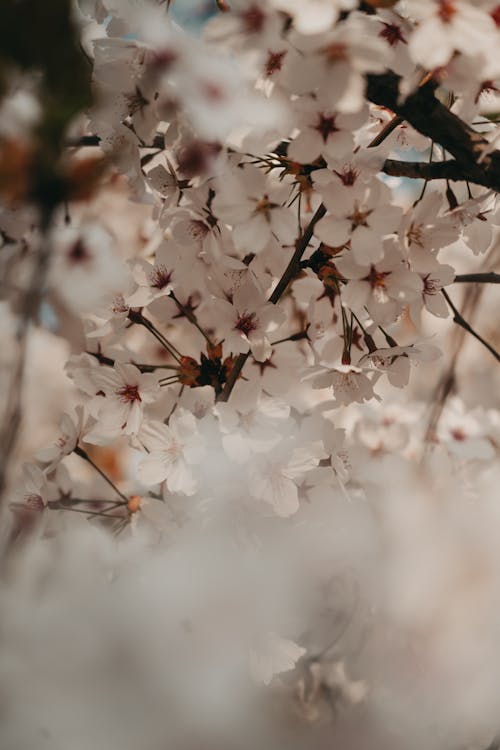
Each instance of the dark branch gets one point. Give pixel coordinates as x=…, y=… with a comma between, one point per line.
x=431, y=118
x=440, y=170
x=288, y=274
x=103, y=360
x=459, y=320
x=479, y=278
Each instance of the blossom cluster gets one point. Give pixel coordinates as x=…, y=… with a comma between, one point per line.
x=251, y=298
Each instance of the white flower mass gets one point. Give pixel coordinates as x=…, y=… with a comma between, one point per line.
x=249, y=349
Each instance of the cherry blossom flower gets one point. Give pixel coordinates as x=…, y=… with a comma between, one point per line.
x=446, y=26
x=84, y=267
x=246, y=322
x=423, y=232
x=276, y=475
x=254, y=207
x=122, y=393
x=383, y=287
x=349, y=383
x=464, y=432
x=154, y=280
x=70, y=431
x=174, y=451
x=433, y=282
x=362, y=222
x=395, y=361
x=336, y=61
x=323, y=132
x=275, y=656
x=476, y=218
x=252, y=422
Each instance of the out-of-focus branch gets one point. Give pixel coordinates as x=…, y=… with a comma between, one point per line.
x=32, y=297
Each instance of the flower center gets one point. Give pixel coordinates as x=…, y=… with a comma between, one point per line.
x=335, y=52
x=198, y=229
x=128, y=394
x=274, y=62
x=377, y=278
x=326, y=126
x=160, y=277
x=119, y=305
x=392, y=34
x=348, y=175
x=415, y=235
x=495, y=14
x=446, y=10
x=246, y=323
x=358, y=218
x=253, y=19
x=431, y=286
x=78, y=252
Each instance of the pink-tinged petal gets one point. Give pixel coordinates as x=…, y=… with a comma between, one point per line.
x=366, y=246
x=436, y=304
x=282, y=494
x=333, y=231
x=306, y=147
x=155, y=435
x=253, y=235
x=179, y=478
x=261, y=348
x=134, y=419
x=153, y=469
x=249, y=295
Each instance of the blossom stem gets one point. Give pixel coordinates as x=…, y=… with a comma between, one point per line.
x=459, y=320
x=89, y=512
x=83, y=454
x=138, y=317
x=301, y=246
x=294, y=337
x=281, y=286
x=142, y=367
x=189, y=314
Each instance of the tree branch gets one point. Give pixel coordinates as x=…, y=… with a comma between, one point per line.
x=290, y=271
x=431, y=118
x=438, y=170
x=479, y=278
x=459, y=320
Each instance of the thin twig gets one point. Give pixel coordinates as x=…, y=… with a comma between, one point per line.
x=142, y=367
x=189, y=314
x=139, y=319
x=459, y=320
x=11, y=422
x=83, y=454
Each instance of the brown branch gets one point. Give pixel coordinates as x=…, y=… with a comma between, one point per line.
x=438, y=170
x=103, y=360
x=294, y=265
x=479, y=278
x=431, y=118
x=459, y=320
x=83, y=454
x=288, y=274
x=12, y=417
x=84, y=140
